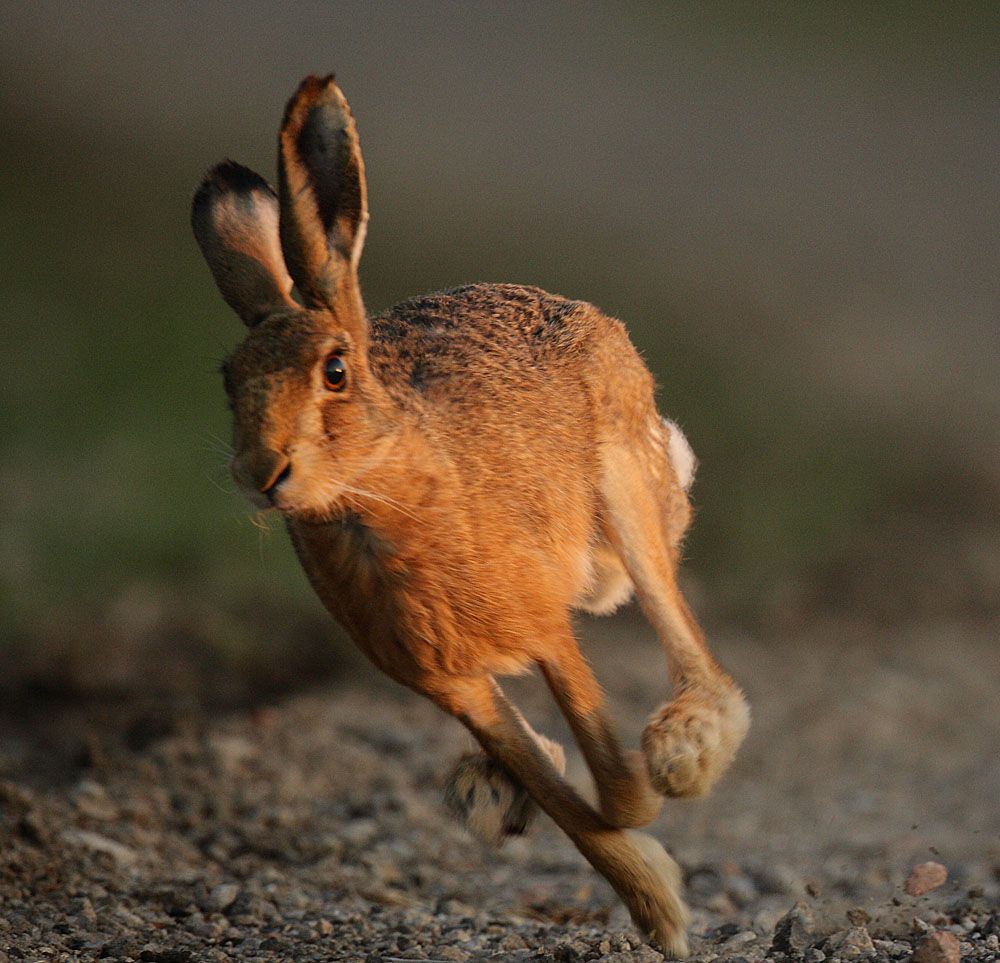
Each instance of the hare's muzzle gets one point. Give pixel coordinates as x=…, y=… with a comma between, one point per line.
x=260, y=473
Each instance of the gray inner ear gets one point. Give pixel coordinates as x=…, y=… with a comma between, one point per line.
x=248, y=288
x=235, y=219
x=324, y=146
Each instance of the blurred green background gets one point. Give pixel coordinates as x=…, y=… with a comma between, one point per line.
x=794, y=208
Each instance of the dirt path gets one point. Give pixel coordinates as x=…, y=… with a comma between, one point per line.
x=314, y=829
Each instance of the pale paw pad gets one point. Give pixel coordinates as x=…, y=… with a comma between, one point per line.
x=690, y=741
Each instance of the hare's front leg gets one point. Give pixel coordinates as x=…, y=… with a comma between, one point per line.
x=491, y=803
x=690, y=741
x=623, y=787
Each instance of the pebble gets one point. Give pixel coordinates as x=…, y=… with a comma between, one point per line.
x=852, y=944
x=741, y=939
x=924, y=878
x=454, y=953
x=793, y=932
x=858, y=917
x=222, y=896
x=939, y=947
x=97, y=843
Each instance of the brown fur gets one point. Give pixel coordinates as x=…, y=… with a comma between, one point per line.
x=495, y=461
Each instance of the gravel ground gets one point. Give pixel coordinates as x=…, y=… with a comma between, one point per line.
x=313, y=828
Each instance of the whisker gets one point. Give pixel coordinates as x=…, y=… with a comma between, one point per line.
x=259, y=521
x=218, y=445
x=384, y=499
x=217, y=484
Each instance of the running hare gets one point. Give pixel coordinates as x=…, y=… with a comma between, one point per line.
x=457, y=475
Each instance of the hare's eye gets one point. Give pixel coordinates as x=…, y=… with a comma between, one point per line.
x=335, y=373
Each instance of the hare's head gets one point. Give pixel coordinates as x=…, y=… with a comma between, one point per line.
x=310, y=417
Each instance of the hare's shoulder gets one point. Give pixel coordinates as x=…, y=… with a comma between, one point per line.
x=443, y=339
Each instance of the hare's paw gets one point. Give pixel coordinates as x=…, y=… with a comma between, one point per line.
x=659, y=910
x=690, y=741
x=484, y=796
x=493, y=806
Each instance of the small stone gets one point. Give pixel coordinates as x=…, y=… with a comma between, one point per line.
x=566, y=953
x=455, y=953
x=740, y=939
x=925, y=877
x=814, y=955
x=97, y=843
x=852, y=944
x=793, y=932
x=940, y=947
x=513, y=941
x=858, y=917
x=223, y=896
x=92, y=800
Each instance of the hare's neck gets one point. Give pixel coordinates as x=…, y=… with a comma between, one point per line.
x=360, y=559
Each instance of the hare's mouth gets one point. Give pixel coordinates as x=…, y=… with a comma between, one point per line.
x=272, y=491
x=262, y=479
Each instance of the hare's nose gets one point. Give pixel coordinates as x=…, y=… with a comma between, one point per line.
x=261, y=470
x=279, y=473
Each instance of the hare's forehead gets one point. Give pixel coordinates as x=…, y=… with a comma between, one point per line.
x=280, y=345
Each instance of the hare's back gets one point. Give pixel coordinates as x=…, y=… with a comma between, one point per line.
x=488, y=344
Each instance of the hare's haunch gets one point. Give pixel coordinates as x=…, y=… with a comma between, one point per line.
x=457, y=475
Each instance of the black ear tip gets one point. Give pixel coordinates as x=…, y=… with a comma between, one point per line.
x=228, y=178
x=314, y=83
x=312, y=89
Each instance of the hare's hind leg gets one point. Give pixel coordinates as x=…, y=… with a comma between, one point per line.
x=691, y=740
x=491, y=803
x=646, y=879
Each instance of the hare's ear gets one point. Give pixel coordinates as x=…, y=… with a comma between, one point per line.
x=324, y=200
x=235, y=219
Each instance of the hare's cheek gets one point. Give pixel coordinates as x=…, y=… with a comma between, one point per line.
x=314, y=481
